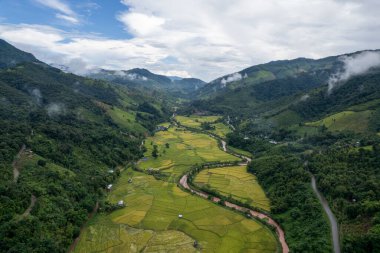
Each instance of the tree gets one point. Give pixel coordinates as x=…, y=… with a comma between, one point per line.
x=155, y=151
x=41, y=163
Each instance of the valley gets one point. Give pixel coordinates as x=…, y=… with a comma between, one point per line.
x=161, y=216
x=133, y=161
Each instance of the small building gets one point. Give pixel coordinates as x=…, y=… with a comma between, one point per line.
x=161, y=128
x=246, y=138
x=111, y=171
x=120, y=203
x=109, y=187
x=272, y=142
x=180, y=215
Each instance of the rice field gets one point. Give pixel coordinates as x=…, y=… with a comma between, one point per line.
x=236, y=182
x=159, y=217
x=185, y=149
x=195, y=121
x=150, y=222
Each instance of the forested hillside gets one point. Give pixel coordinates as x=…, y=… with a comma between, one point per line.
x=73, y=135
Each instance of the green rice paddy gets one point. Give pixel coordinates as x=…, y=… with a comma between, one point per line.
x=150, y=220
x=195, y=121
x=185, y=149
x=236, y=182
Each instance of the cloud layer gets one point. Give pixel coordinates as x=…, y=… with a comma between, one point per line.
x=64, y=11
x=206, y=39
x=353, y=66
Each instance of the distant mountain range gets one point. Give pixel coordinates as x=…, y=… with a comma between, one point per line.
x=144, y=79
x=292, y=91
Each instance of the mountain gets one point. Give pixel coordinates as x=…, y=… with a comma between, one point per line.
x=269, y=89
x=303, y=118
x=10, y=56
x=144, y=80
x=269, y=72
x=69, y=132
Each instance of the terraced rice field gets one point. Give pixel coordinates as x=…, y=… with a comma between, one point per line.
x=195, y=122
x=185, y=149
x=236, y=182
x=151, y=222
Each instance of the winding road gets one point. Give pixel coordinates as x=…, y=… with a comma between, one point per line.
x=15, y=164
x=280, y=233
x=33, y=201
x=330, y=215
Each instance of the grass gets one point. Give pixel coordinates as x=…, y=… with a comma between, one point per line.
x=373, y=104
x=240, y=151
x=150, y=221
x=185, y=149
x=286, y=118
x=235, y=182
x=125, y=119
x=346, y=120
x=305, y=130
x=195, y=121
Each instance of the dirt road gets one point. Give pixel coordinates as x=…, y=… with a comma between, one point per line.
x=16, y=165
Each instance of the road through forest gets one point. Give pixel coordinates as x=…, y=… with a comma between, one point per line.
x=330, y=215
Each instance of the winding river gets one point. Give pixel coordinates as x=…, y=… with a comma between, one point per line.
x=279, y=231
x=330, y=215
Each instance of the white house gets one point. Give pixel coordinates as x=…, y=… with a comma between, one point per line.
x=109, y=187
x=120, y=203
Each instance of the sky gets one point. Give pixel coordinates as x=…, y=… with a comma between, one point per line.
x=188, y=38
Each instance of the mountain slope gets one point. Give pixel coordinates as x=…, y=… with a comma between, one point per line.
x=75, y=130
x=292, y=82
x=10, y=56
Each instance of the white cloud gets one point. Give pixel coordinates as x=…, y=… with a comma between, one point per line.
x=231, y=78
x=67, y=18
x=57, y=5
x=208, y=39
x=179, y=73
x=65, y=12
x=141, y=24
x=354, y=65
x=216, y=37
